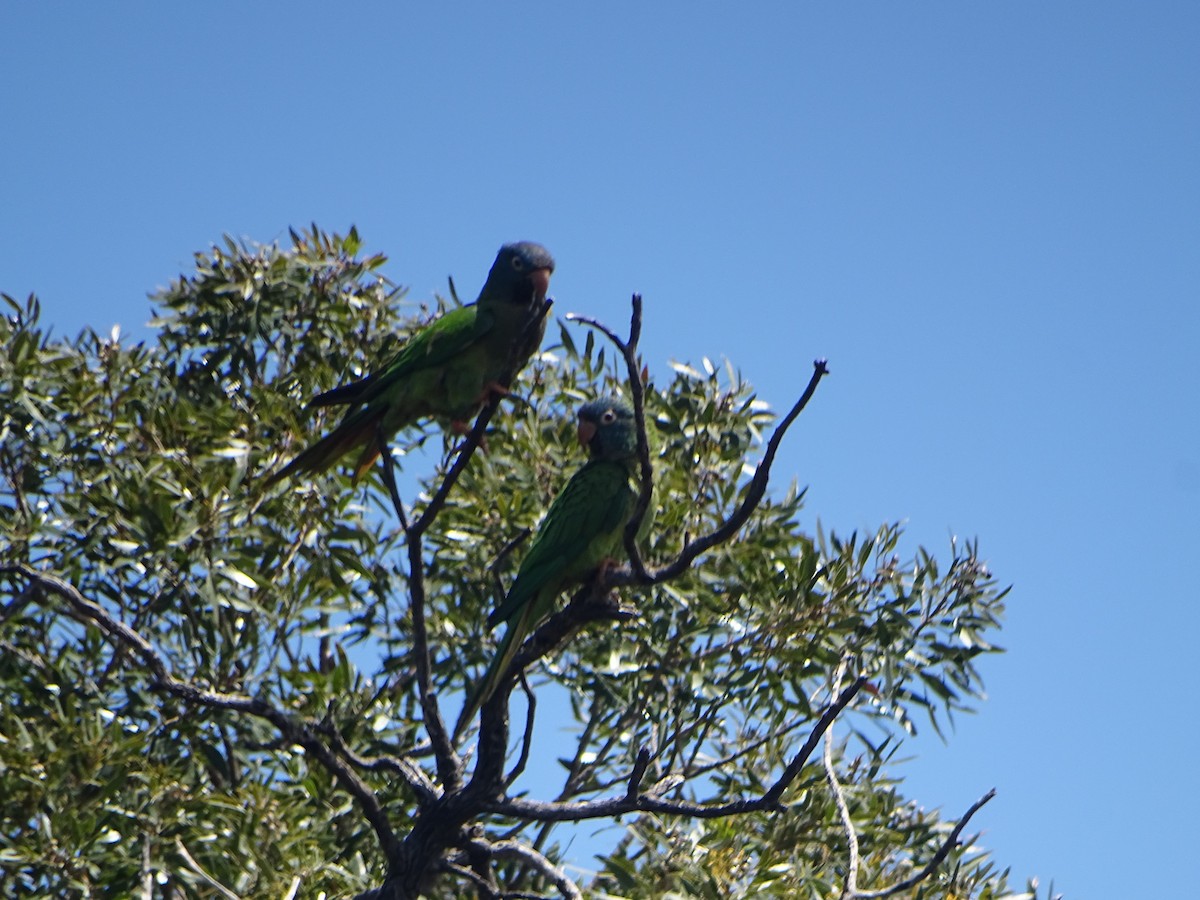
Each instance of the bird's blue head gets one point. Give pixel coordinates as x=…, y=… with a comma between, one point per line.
x=520, y=275
x=607, y=429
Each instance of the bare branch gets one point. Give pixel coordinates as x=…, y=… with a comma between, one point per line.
x=488, y=891
x=694, y=771
x=640, y=764
x=599, y=326
x=412, y=774
x=938, y=858
x=574, y=771
x=449, y=765
x=754, y=493
x=637, y=392
x=527, y=738
x=530, y=857
x=823, y=724
x=643, y=802
x=637, y=573
x=589, y=604
x=850, y=889
x=204, y=876
x=850, y=883
x=389, y=475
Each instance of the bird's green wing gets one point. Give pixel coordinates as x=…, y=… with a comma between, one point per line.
x=437, y=344
x=581, y=528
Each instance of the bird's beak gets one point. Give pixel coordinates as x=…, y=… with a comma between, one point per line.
x=586, y=431
x=540, y=279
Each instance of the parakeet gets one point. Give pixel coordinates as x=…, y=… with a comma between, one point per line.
x=447, y=370
x=581, y=532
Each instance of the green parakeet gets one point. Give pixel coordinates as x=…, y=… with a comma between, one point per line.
x=446, y=370
x=582, y=531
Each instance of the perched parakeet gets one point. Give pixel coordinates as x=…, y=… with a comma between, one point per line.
x=582, y=531
x=447, y=370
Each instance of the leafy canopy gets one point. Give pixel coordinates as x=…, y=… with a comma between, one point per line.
x=132, y=472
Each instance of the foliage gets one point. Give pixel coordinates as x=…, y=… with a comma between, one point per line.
x=133, y=473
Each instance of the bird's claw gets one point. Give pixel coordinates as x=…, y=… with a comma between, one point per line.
x=493, y=389
x=462, y=429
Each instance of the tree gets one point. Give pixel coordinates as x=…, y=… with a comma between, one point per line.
x=213, y=689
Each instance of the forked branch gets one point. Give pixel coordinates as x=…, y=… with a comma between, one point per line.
x=449, y=764
x=755, y=490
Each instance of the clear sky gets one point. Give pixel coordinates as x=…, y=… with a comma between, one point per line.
x=987, y=217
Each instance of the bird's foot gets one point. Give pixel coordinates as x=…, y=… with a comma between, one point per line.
x=607, y=565
x=491, y=390
x=464, y=428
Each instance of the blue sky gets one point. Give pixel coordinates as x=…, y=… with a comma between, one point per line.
x=987, y=217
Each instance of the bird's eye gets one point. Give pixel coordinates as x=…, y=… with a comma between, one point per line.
x=517, y=263
x=609, y=417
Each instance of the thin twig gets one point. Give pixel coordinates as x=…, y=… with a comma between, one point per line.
x=488, y=891
x=755, y=490
x=508, y=548
x=527, y=738
x=449, y=765
x=637, y=392
x=204, y=876
x=413, y=775
x=389, y=474
x=530, y=857
x=850, y=889
x=850, y=883
x=937, y=859
x=574, y=771
x=693, y=771
x=642, y=802
x=823, y=725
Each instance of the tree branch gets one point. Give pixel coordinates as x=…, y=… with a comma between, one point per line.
x=535, y=860
x=850, y=884
x=850, y=889
x=637, y=572
x=823, y=725
x=223, y=891
x=640, y=801
x=413, y=775
x=938, y=858
x=292, y=729
x=527, y=738
x=754, y=493
x=589, y=604
x=640, y=764
x=487, y=891
x=449, y=764
x=637, y=392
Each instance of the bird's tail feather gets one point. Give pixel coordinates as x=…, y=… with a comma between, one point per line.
x=505, y=652
x=342, y=395
x=354, y=431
